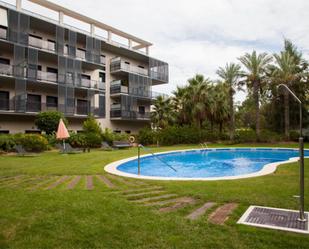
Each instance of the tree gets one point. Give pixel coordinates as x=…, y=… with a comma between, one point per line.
x=48, y=121
x=163, y=112
x=285, y=72
x=231, y=74
x=91, y=125
x=256, y=66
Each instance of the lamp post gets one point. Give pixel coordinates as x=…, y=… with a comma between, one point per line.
x=301, y=158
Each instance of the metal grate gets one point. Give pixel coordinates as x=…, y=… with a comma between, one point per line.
x=274, y=218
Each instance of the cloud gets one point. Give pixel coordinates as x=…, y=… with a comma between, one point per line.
x=198, y=36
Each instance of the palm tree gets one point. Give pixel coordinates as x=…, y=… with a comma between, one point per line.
x=231, y=74
x=221, y=92
x=179, y=102
x=163, y=113
x=255, y=65
x=285, y=71
x=196, y=98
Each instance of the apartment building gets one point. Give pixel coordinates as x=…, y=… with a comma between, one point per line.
x=46, y=64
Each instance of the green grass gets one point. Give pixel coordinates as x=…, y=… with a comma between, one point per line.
x=101, y=218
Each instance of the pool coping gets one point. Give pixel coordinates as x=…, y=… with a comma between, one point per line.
x=266, y=170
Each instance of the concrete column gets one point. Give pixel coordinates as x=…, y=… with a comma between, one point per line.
x=147, y=50
x=18, y=5
x=92, y=29
x=130, y=43
x=60, y=18
x=109, y=36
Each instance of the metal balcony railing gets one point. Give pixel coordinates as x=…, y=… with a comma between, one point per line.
x=129, y=115
x=6, y=69
x=27, y=106
x=42, y=44
x=117, y=64
x=3, y=33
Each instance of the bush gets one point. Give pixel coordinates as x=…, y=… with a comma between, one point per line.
x=245, y=136
x=147, y=136
x=77, y=140
x=267, y=136
x=48, y=121
x=93, y=140
x=7, y=143
x=32, y=142
x=110, y=136
x=91, y=125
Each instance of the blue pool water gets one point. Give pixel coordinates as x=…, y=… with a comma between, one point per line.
x=209, y=163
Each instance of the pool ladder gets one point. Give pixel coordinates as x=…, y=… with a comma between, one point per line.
x=205, y=147
x=147, y=149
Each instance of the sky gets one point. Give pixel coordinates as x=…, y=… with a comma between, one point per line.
x=198, y=36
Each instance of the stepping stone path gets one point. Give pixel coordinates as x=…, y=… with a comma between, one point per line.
x=89, y=183
x=106, y=181
x=179, y=204
x=149, y=199
x=135, y=191
x=221, y=214
x=200, y=211
x=74, y=182
x=55, y=184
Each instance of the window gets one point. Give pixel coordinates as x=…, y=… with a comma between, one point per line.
x=141, y=109
x=33, y=103
x=4, y=131
x=128, y=132
x=141, y=66
x=51, y=101
x=32, y=131
x=39, y=68
x=126, y=62
x=3, y=17
x=102, y=77
x=117, y=131
x=52, y=70
x=4, y=100
x=85, y=77
x=82, y=107
x=4, y=61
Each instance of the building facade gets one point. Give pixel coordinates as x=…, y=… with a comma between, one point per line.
x=46, y=65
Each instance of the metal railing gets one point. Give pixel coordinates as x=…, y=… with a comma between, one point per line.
x=3, y=33
x=117, y=64
x=128, y=115
x=42, y=44
x=15, y=105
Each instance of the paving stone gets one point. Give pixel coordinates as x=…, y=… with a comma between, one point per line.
x=73, y=183
x=137, y=190
x=120, y=179
x=200, y=211
x=58, y=182
x=40, y=184
x=221, y=214
x=145, y=193
x=178, y=205
x=106, y=181
x=89, y=182
x=169, y=201
x=154, y=198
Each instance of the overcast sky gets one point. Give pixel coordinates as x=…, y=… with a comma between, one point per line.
x=198, y=36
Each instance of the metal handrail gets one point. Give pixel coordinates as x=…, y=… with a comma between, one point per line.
x=147, y=149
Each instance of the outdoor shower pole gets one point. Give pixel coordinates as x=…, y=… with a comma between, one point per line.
x=138, y=159
x=301, y=158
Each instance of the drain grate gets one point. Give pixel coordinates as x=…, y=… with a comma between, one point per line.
x=275, y=218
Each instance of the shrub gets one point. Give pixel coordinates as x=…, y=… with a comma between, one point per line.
x=147, y=136
x=110, y=136
x=245, y=136
x=48, y=121
x=91, y=125
x=294, y=135
x=267, y=136
x=77, y=140
x=93, y=140
x=7, y=143
x=32, y=142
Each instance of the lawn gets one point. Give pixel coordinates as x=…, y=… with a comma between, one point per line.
x=103, y=218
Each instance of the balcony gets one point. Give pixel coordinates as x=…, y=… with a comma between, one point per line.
x=47, y=76
x=118, y=65
x=41, y=44
x=3, y=33
x=15, y=106
x=118, y=114
x=6, y=70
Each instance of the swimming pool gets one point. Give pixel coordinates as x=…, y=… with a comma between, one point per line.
x=209, y=164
